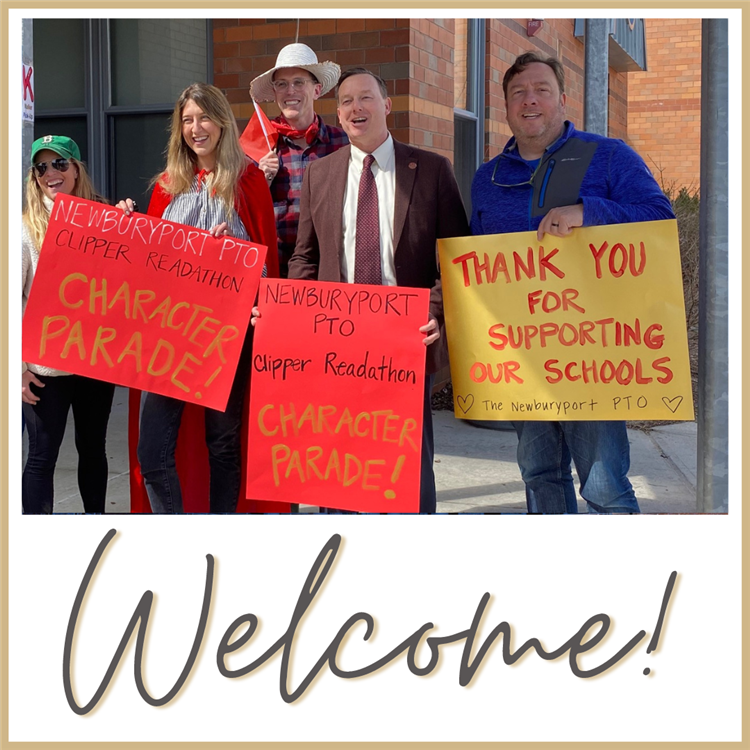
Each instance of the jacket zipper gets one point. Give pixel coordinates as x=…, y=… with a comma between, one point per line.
x=531, y=196
x=543, y=191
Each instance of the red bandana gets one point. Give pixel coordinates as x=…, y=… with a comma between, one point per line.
x=284, y=128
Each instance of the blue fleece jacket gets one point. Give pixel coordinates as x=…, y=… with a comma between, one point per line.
x=617, y=188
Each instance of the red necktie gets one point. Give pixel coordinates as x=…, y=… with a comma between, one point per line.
x=367, y=245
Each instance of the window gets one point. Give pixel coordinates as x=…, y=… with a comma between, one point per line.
x=468, y=102
x=111, y=85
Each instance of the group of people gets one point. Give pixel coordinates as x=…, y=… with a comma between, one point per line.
x=351, y=205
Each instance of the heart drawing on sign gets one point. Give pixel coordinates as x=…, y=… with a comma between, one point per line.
x=465, y=403
x=673, y=404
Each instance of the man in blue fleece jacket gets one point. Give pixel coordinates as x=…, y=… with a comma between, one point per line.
x=552, y=178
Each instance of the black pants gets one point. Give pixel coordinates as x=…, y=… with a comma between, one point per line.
x=160, y=421
x=91, y=401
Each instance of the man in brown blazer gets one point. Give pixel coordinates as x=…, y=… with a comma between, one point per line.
x=406, y=197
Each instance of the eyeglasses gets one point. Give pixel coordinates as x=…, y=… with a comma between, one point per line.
x=530, y=181
x=60, y=165
x=297, y=83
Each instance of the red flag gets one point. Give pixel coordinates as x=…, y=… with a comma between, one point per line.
x=260, y=135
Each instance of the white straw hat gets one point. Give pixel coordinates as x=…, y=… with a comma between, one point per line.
x=295, y=56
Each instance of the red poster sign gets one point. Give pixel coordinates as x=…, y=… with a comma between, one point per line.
x=337, y=394
x=141, y=302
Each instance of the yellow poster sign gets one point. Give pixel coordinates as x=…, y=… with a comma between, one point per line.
x=590, y=326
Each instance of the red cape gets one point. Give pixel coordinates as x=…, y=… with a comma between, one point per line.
x=255, y=208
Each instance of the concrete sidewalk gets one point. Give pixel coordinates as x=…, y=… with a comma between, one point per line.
x=475, y=468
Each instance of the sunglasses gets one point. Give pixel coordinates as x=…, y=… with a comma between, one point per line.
x=60, y=165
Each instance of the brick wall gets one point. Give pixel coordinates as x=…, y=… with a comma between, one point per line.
x=416, y=59
x=618, y=105
x=430, y=123
x=506, y=39
x=413, y=56
x=664, y=103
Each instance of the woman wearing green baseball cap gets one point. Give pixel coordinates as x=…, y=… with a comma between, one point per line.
x=48, y=394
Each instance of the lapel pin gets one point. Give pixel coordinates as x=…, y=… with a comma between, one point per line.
x=412, y=165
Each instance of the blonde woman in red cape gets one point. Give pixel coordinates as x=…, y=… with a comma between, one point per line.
x=209, y=184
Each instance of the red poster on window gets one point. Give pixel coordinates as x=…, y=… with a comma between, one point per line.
x=337, y=395
x=141, y=302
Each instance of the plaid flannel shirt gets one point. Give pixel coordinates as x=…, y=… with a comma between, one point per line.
x=286, y=187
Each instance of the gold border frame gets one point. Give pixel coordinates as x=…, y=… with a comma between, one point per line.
x=5, y=6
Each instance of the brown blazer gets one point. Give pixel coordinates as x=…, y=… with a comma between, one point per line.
x=428, y=207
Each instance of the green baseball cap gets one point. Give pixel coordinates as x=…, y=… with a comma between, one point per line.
x=60, y=144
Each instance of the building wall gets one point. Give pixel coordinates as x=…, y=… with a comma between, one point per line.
x=413, y=56
x=162, y=53
x=507, y=38
x=416, y=58
x=664, y=114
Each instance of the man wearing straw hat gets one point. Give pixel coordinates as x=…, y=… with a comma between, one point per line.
x=294, y=83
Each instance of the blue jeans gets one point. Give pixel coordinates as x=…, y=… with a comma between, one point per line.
x=601, y=454
x=159, y=427
x=427, y=491
x=91, y=401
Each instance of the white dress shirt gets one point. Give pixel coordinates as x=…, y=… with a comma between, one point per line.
x=384, y=169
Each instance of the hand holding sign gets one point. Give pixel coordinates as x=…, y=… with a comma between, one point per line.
x=127, y=206
x=432, y=329
x=560, y=222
